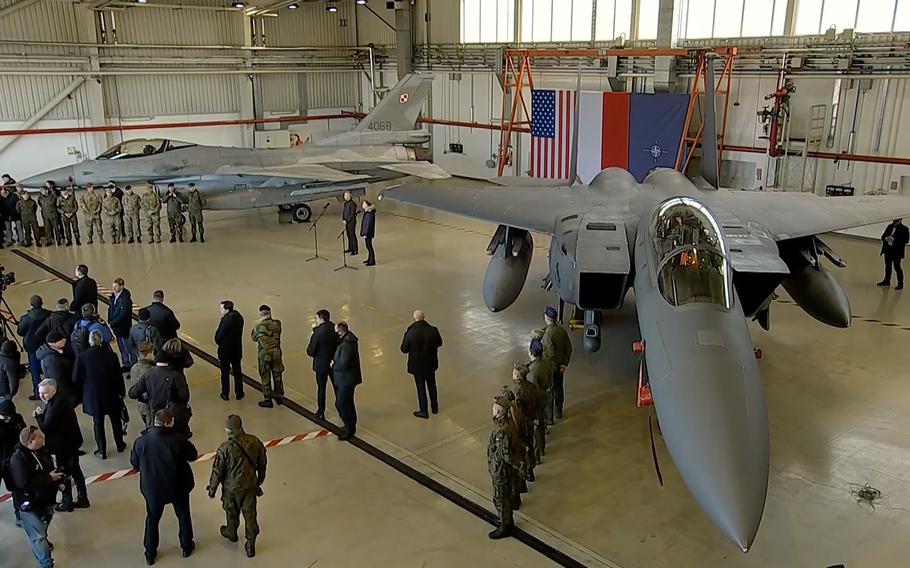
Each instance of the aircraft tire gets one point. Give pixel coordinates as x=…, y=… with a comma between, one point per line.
x=302, y=213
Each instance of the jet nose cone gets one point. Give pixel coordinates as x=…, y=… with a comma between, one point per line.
x=714, y=422
x=60, y=176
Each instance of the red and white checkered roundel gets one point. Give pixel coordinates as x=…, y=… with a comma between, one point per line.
x=403, y=98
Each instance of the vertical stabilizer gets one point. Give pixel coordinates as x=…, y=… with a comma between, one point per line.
x=400, y=108
x=709, y=162
x=573, y=153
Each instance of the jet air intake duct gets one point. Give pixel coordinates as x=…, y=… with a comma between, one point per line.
x=510, y=250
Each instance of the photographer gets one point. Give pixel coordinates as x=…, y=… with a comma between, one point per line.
x=11, y=423
x=35, y=485
x=64, y=438
x=11, y=370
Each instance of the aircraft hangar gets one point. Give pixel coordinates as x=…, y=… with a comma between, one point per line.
x=703, y=192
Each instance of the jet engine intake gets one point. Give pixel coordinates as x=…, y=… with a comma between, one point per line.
x=510, y=250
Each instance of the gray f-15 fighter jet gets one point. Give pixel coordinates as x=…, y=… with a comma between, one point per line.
x=701, y=261
x=384, y=145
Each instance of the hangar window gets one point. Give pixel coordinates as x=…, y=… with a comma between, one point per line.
x=865, y=16
x=700, y=19
x=487, y=21
x=691, y=262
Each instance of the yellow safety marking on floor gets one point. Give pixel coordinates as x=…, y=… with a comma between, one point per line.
x=39, y=281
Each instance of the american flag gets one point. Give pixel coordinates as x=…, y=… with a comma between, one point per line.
x=552, y=121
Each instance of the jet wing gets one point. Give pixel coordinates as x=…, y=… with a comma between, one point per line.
x=420, y=169
x=531, y=208
x=794, y=215
x=309, y=172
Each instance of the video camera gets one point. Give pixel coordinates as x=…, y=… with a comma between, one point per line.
x=6, y=278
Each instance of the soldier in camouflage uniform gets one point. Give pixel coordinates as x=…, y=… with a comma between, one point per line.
x=28, y=210
x=151, y=213
x=525, y=413
x=196, y=202
x=68, y=206
x=48, y=203
x=91, y=205
x=240, y=470
x=267, y=335
x=558, y=348
x=540, y=373
x=112, y=208
x=175, y=202
x=500, y=465
x=131, y=206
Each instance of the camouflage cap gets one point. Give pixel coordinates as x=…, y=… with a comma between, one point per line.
x=233, y=424
x=537, y=333
x=503, y=399
x=522, y=369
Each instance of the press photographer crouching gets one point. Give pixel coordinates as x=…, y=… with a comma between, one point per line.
x=35, y=486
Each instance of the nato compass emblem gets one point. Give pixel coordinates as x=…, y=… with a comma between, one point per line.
x=655, y=150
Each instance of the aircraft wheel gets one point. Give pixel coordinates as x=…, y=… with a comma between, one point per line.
x=302, y=213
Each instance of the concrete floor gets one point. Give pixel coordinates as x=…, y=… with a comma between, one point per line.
x=838, y=414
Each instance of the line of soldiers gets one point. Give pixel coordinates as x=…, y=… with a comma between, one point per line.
x=521, y=415
x=123, y=213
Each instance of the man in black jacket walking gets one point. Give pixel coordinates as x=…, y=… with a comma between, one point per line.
x=164, y=387
x=321, y=348
x=85, y=290
x=11, y=424
x=162, y=317
x=421, y=343
x=163, y=458
x=61, y=320
x=346, y=375
x=894, y=241
x=120, y=320
x=97, y=375
x=58, y=365
x=34, y=484
x=29, y=325
x=229, y=338
x=349, y=220
x=63, y=438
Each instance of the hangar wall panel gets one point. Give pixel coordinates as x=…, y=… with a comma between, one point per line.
x=445, y=21
x=22, y=95
x=137, y=96
x=310, y=24
x=324, y=91
x=179, y=27
x=371, y=29
x=43, y=21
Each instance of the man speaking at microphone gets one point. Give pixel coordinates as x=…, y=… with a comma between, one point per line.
x=349, y=218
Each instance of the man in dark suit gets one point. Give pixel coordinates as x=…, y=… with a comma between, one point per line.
x=349, y=220
x=346, y=374
x=85, y=290
x=368, y=231
x=163, y=317
x=894, y=240
x=229, y=338
x=421, y=342
x=321, y=348
x=58, y=421
x=97, y=375
x=120, y=319
x=163, y=458
x=29, y=325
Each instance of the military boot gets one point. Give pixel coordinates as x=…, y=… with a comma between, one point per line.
x=193, y=240
x=250, y=547
x=227, y=535
x=130, y=241
x=139, y=240
x=101, y=239
x=502, y=531
x=201, y=235
x=173, y=239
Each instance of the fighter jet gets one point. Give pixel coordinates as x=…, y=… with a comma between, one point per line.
x=701, y=260
x=384, y=145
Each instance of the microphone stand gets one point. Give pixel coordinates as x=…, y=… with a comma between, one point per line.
x=316, y=235
x=344, y=254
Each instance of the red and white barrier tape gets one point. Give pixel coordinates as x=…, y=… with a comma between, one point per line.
x=202, y=457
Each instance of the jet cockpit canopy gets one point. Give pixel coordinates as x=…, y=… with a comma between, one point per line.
x=691, y=254
x=139, y=147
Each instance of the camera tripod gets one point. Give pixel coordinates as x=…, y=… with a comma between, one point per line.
x=8, y=331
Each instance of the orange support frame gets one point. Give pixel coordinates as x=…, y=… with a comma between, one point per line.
x=688, y=143
x=521, y=76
